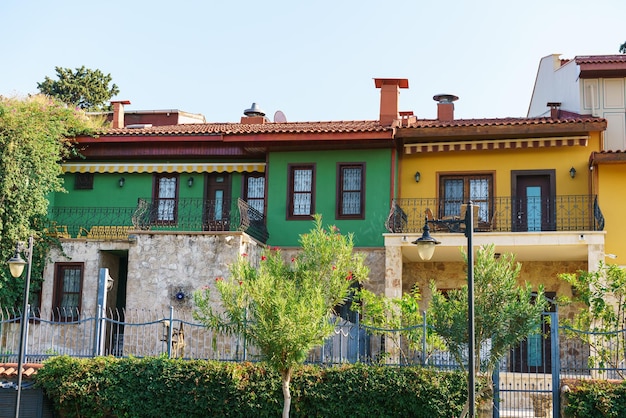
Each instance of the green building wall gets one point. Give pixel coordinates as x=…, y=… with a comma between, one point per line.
x=367, y=232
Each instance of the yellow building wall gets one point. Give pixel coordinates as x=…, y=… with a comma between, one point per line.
x=561, y=159
x=612, y=199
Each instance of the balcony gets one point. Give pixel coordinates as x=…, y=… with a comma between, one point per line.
x=500, y=214
x=180, y=215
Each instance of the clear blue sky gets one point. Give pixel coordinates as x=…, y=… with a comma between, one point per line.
x=313, y=60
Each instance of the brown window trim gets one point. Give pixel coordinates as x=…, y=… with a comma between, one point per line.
x=290, y=192
x=340, y=191
x=247, y=198
x=466, y=176
x=57, y=312
x=156, y=199
x=83, y=181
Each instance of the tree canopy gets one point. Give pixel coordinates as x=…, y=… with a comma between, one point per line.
x=282, y=307
x=498, y=326
x=84, y=88
x=602, y=321
x=622, y=48
x=35, y=136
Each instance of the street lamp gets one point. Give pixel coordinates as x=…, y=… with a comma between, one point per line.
x=426, y=248
x=426, y=243
x=16, y=266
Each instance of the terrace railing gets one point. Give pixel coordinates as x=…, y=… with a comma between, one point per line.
x=184, y=215
x=500, y=214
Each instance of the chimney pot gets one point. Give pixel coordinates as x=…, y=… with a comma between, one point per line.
x=118, y=113
x=389, y=95
x=254, y=115
x=445, y=106
x=554, y=109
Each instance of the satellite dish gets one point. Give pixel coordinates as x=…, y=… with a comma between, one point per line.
x=279, y=116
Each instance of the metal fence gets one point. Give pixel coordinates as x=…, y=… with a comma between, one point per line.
x=527, y=382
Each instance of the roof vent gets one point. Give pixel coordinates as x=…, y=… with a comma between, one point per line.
x=254, y=110
x=139, y=126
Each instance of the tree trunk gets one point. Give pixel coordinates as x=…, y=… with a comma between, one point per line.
x=286, y=375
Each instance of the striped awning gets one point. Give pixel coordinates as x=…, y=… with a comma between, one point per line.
x=497, y=144
x=163, y=168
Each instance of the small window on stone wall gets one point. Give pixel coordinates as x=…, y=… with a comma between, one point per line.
x=83, y=181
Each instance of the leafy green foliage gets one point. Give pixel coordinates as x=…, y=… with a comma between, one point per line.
x=399, y=314
x=595, y=398
x=282, y=307
x=155, y=387
x=35, y=136
x=505, y=312
x=84, y=88
x=622, y=48
x=603, y=294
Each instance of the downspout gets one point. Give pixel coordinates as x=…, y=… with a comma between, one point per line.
x=394, y=174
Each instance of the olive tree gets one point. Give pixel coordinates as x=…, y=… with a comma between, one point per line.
x=506, y=312
x=602, y=321
x=285, y=307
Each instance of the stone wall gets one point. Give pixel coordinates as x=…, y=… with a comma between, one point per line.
x=450, y=275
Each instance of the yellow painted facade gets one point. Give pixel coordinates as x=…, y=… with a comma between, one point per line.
x=500, y=162
x=611, y=190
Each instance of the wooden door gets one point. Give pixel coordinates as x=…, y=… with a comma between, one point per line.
x=217, y=202
x=533, y=201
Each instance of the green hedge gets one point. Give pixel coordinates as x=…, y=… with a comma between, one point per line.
x=595, y=398
x=157, y=387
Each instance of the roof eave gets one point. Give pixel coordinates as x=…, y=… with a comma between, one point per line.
x=501, y=131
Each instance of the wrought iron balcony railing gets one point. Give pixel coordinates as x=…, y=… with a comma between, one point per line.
x=183, y=215
x=501, y=214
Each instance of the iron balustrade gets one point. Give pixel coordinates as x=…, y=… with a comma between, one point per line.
x=500, y=214
x=181, y=215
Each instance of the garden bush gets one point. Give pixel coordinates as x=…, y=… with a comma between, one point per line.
x=594, y=398
x=155, y=387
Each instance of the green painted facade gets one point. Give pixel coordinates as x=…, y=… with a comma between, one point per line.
x=367, y=232
x=108, y=204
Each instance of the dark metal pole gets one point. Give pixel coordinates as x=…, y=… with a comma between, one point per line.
x=469, y=233
x=23, y=329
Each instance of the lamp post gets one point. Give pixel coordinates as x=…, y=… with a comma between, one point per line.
x=426, y=248
x=16, y=266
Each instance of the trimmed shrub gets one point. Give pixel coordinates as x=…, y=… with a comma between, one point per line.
x=153, y=387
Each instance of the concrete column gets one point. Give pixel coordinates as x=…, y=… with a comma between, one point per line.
x=393, y=289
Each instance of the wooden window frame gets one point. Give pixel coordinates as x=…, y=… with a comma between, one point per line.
x=291, y=168
x=341, y=191
x=83, y=181
x=466, y=176
x=155, y=198
x=255, y=174
x=57, y=293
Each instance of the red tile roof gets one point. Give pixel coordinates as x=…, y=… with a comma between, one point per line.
x=370, y=126
x=9, y=370
x=600, y=59
x=262, y=128
x=570, y=119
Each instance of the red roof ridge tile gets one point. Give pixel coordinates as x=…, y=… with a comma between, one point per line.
x=8, y=370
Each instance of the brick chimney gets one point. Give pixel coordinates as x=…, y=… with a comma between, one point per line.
x=445, y=106
x=253, y=115
x=389, y=94
x=118, y=113
x=554, y=109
